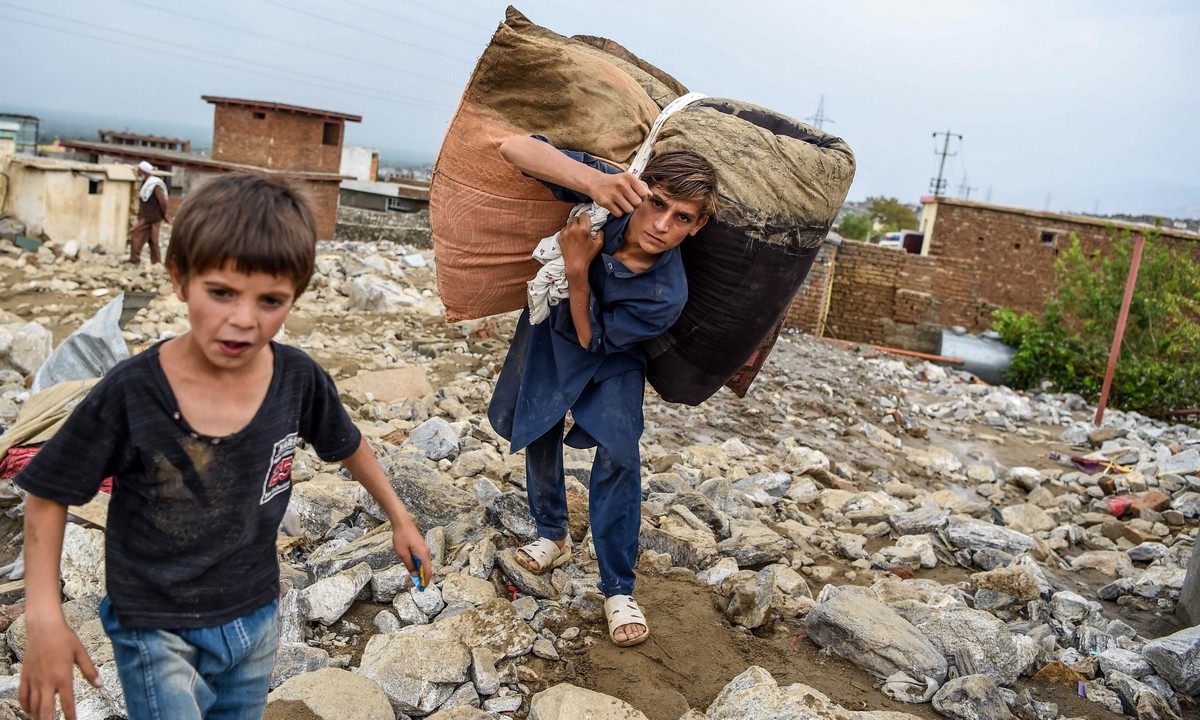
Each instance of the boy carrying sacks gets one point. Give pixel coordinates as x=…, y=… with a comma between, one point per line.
x=199, y=432
x=626, y=284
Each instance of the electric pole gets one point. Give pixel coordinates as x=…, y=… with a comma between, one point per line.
x=818, y=121
x=964, y=189
x=938, y=186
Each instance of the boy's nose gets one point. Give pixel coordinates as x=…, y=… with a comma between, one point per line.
x=243, y=315
x=662, y=222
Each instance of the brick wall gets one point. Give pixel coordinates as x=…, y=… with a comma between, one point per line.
x=278, y=140
x=980, y=258
x=808, y=309
x=1010, y=254
x=324, y=198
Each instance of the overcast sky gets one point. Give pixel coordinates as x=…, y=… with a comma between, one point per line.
x=1071, y=105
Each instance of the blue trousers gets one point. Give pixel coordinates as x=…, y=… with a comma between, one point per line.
x=212, y=673
x=614, y=503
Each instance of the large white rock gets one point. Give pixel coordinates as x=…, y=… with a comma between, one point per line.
x=754, y=695
x=330, y=598
x=83, y=562
x=496, y=625
x=1177, y=659
x=336, y=694
x=568, y=702
x=30, y=345
x=871, y=635
x=417, y=673
x=976, y=638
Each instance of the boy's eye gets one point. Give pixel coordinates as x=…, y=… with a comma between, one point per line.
x=684, y=218
x=271, y=301
x=219, y=292
x=658, y=203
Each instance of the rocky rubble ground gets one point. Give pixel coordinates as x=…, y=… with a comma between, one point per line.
x=930, y=531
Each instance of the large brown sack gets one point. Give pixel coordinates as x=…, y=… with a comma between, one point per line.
x=782, y=183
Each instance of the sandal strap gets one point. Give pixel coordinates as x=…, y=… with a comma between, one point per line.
x=623, y=610
x=542, y=551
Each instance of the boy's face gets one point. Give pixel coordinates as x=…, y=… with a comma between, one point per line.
x=662, y=222
x=234, y=314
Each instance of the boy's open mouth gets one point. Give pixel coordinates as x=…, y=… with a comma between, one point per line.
x=233, y=348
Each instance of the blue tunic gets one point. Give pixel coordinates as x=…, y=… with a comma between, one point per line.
x=547, y=372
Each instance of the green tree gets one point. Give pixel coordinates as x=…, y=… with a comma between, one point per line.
x=855, y=227
x=1068, y=344
x=891, y=214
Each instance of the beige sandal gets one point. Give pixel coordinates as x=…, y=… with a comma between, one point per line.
x=623, y=610
x=546, y=554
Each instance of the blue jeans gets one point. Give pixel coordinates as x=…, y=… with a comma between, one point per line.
x=614, y=503
x=213, y=673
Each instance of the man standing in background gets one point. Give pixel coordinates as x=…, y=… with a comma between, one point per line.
x=151, y=214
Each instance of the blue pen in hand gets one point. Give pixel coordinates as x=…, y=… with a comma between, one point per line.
x=418, y=579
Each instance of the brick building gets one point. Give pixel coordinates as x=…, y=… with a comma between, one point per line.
x=298, y=143
x=974, y=259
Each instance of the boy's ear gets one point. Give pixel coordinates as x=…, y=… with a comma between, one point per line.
x=178, y=281
x=699, y=226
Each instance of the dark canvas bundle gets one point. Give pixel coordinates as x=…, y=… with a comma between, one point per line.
x=782, y=183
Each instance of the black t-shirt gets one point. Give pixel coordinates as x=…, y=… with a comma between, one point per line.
x=190, y=540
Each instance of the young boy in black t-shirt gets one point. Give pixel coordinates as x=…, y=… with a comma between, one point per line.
x=199, y=432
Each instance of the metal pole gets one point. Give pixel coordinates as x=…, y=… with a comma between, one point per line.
x=1115, y=352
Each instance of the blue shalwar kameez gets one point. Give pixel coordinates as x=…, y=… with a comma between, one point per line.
x=547, y=373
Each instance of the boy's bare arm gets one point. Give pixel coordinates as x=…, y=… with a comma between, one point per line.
x=52, y=648
x=619, y=194
x=406, y=536
x=579, y=245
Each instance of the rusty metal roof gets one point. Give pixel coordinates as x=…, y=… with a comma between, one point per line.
x=282, y=107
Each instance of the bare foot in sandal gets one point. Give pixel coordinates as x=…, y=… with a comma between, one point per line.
x=627, y=633
x=626, y=623
x=543, y=554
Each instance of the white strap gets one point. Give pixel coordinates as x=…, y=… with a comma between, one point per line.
x=549, y=286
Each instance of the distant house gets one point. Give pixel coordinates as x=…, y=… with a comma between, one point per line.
x=299, y=143
x=26, y=134
x=121, y=137
x=968, y=260
x=360, y=163
x=67, y=200
x=410, y=196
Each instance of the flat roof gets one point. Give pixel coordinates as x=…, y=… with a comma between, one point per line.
x=282, y=107
x=112, y=172
x=191, y=160
x=140, y=136
x=1064, y=217
x=409, y=191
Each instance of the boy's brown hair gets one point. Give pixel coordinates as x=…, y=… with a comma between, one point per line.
x=258, y=222
x=685, y=175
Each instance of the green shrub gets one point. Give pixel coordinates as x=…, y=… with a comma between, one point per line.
x=1068, y=343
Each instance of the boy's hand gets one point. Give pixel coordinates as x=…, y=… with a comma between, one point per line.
x=579, y=244
x=408, y=543
x=52, y=651
x=618, y=194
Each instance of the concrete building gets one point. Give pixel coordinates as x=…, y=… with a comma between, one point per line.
x=973, y=259
x=411, y=196
x=122, y=137
x=26, y=131
x=298, y=143
x=67, y=200
x=360, y=163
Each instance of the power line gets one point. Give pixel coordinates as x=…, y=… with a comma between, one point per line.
x=328, y=83
x=302, y=46
x=406, y=20
x=257, y=72
x=368, y=31
x=445, y=14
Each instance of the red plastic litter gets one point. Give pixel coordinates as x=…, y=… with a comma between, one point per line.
x=513, y=589
x=1119, y=504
